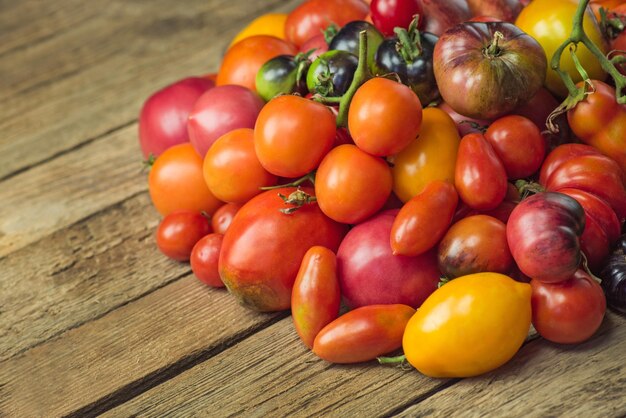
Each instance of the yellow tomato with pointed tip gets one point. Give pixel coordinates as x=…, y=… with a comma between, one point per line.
x=268, y=24
x=469, y=326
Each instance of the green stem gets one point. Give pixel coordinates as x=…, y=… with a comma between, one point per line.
x=361, y=75
x=493, y=50
x=409, y=44
x=307, y=177
x=391, y=360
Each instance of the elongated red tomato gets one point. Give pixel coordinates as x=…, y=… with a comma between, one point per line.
x=363, y=333
x=479, y=175
x=316, y=297
x=424, y=219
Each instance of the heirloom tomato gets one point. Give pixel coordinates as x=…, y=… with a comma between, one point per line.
x=204, y=259
x=469, y=326
x=179, y=231
x=431, y=156
x=550, y=23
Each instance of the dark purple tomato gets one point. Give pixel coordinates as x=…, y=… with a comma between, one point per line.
x=331, y=73
x=347, y=39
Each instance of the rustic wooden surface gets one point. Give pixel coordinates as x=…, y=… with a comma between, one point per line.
x=93, y=320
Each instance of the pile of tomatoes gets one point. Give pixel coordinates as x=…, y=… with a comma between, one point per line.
x=382, y=169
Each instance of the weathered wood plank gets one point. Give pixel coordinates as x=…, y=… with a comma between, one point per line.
x=94, y=77
x=107, y=361
x=544, y=379
x=272, y=374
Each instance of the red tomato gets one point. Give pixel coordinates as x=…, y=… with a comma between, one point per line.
x=561, y=154
x=223, y=216
x=479, y=175
x=232, y=170
x=363, y=334
x=316, y=296
x=424, y=219
x=389, y=14
x=244, y=59
x=518, y=143
x=352, y=185
x=292, y=135
x=570, y=311
x=384, y=117
x=314, y=16
x=179, y=231
x=475, y=244
x=204, y=259
x=317, y=44
x=176, y=182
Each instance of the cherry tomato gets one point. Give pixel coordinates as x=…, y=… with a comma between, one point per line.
x=352, y=185
x=469, y=326
x=179, y=231
x=232, y=170
x=272, y=24
x=519, y=145
x=384, y=117
x=223, y=216
x=204, y=259
x=316, y=297
x=176, y=182
x=286, y=127
x=317, y=44
x=347, y=39
x=244, y=59
x=430, y=157
x=331, y=73
x=475, y=244
x=479, y=175
x=570, y=311
x=389, y=14
x=363, y=334
x=424, y=219
x=313, y=16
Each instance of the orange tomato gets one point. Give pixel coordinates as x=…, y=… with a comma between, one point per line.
x=268, y=24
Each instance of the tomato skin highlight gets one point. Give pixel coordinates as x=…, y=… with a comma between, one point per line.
x=179, y=231
x=363, y=333
x=316, y=296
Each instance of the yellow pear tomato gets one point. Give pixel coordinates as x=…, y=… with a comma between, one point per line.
x=469, y=326
x=268, y=24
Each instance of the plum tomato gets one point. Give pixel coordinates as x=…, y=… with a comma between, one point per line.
x=218, y=112
x=223, y=216
x=475, y=244
x=352, y=185
x=204, y=259
x=384, y=117
x=316, y=296
x=176, y=182
x=389, y=14
x=179, y=231
x=286, y=127
x=568, y=312
x=424, y=219
x=232, y=169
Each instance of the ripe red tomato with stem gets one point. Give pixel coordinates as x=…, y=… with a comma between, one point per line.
x=179, y=231
x=389, y=14
x=204, y=259
x=223, y=216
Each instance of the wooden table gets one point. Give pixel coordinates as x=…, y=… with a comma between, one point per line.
x=94, y=320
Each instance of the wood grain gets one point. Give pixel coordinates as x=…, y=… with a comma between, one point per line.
x=121, y=354
x=544, y=379
x=272, y=374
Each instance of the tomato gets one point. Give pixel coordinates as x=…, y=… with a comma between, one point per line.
x=272, y=24
x=502, y=212
x=570, y=311
x=331, y=73
x=424, y=219
x=363, y=334
x=280, y=76
x=479, y=175
x=543, y=233
x=232, y=170
x=538, y=108
x=389, y=14
x=163, y=118
x=263, y=248
x=347, y=39
x=500, y=10
x=487, y=69
x=176, y=182
x=179, y=231
x=352, y=185
x=223, y=216
x=465, y=124
x=469, y=326
x=244, y=59
x=316, y=297
x=384, y=117
x=442, y=15
x=550, y=23
x=316, y=45
x=432, y=156
x=313, y=16
x=519, y=145
x=204, y=259
x=559, y=155
x=595, y=6
x=600, y=121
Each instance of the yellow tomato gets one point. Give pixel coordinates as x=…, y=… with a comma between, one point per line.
x=268, y=24
x=432, y=156
x=469, y=326
x=550, y=23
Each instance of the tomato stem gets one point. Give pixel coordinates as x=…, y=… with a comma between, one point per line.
x=310, y=177
x=297, y=198
x=493, y=50
x=399, y=361
x=361, y=75
x=409, y=45
x=527, y=188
